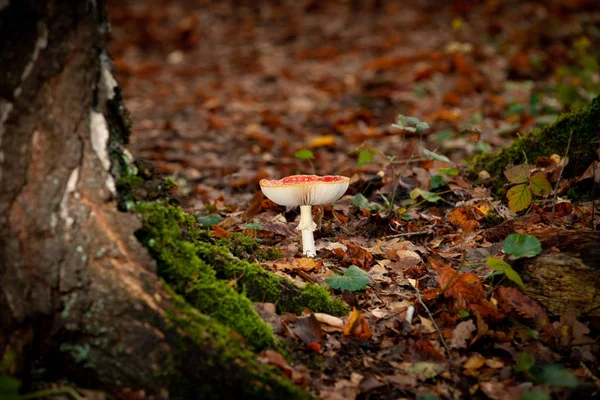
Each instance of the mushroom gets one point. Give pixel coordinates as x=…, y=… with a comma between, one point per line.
x=305, y=191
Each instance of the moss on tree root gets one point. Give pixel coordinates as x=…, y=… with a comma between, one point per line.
x=218, y=284
x=583, y=126
x=229, y=370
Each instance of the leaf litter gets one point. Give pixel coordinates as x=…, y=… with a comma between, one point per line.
x=225, y=94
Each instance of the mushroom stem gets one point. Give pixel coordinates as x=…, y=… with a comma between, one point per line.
x=308, y=243
x=307, y=226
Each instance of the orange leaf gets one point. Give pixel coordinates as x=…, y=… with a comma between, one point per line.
x=322, y=141
x=357, y=326
x=217, y=231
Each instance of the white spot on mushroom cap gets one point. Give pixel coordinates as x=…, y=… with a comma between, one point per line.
x=301, y=190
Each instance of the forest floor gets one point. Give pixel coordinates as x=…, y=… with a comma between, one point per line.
x=224, y=94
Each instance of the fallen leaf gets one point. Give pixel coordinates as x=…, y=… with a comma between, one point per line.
x=322, y=141
x=292, y=264
x=461, y=334
x=475, y=361
x=357, y=326
x=272, y=357
x=522, y=306
x=308, y=329
x=330, y=320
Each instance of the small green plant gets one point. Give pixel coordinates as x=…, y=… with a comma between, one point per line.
x=527, y=182
x=208, y=220
x=410, y=124
x=363, y=203
x=354, y=279
x=516, y=246
x=307, y=155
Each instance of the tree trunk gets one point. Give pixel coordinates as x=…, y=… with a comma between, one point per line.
x=79, y=297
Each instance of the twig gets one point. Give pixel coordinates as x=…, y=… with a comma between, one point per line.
x=435, y=325
x=560, y=176
x=53, y=392
x=407, y=234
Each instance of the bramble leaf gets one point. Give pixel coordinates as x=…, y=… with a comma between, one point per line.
x=353, y=279
x=519, y=197
x=363, y=203
x=435, y=156
x=304, y=154
x=539, y=185
x=498, y=265
x=437, y=181
x=426, y=195
x=520, y=245
x=365, y=157
x=518, y=173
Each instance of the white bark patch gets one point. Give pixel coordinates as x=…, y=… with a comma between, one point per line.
x=64, y=202
x=40, y=44
x=108, y=80
x=99, y=136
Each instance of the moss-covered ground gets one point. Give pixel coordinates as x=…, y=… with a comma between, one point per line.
x=217, y=283
x=581, y=125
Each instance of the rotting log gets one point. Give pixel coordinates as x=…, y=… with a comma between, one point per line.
x=79, y=296
x=566, y=275
x=582, y=125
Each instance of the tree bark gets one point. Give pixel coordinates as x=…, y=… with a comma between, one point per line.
x=79, y=297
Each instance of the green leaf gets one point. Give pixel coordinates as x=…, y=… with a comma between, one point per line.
x=304, y=154
x=428, y=369
x=535, y=395
x=426, y=195
x=520, y=245
x=434, y=156
x=363, y=203
x=519, y=197
x=437, y=181
x=525, y=362
x=464, y=313
x=499, y=265
x=353, y=279
x=208, y=220
x=518, y=173
x=539, y=185
x=558, y=376
x=448, y=171
x=257, y=226
x=365, y=157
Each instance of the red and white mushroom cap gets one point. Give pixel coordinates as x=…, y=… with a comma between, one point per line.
x=305, y=190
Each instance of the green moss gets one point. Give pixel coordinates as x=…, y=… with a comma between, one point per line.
x=246, y=247
x=175, y=238
x=583, y=124
x=229, y=370
x=168, y=235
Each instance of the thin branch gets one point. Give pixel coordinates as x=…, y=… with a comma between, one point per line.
x=560, y=176
x=435, y=325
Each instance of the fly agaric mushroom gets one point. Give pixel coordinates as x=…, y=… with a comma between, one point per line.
x=305, y=191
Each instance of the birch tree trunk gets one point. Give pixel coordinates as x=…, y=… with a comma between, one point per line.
x=79, y=297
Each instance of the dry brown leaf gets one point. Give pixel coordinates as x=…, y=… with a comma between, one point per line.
x=292, y=264
x=521, y=305
x=462, y=333
x=330, y=320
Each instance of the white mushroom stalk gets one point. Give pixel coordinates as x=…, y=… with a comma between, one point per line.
x=305, y=191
